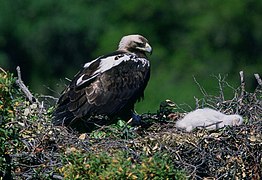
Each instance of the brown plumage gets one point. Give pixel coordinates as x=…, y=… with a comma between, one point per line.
x=109, y=86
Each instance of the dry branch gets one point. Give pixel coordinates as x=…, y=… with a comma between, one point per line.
x=23, y=87
x=259, y=81
x=3, y=70
x=25, y=90
x=242, y=83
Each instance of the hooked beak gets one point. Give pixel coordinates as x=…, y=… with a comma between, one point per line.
x=147, y=48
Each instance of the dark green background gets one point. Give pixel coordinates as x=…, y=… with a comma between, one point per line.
x=52, y=39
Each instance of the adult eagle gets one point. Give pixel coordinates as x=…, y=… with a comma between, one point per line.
x=109, y=86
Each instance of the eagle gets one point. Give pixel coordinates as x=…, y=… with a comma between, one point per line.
x=108, y=86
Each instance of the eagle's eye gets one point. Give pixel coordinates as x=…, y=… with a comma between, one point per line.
x=140, y=44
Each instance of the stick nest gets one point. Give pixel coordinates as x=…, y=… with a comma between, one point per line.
x=37, y=148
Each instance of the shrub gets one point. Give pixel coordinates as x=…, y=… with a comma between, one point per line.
x=9, y=140
x=119, y=165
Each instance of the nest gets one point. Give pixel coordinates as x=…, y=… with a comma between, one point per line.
x=231, y=152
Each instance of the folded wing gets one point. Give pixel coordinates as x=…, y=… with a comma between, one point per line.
x=105, y=86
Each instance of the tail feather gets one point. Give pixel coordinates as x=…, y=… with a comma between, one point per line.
x=62, y=117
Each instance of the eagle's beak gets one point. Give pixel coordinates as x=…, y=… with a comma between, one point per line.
x=147, y=48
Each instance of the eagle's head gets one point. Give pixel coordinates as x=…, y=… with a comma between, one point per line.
x=135, y=44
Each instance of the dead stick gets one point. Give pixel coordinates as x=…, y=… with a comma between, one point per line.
x=3, y=70
x=23, y=87
x=203, y=91
x=220, y=82
x=242, y=81
x=259, y=81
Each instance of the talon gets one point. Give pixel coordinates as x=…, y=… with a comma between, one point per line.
x=136, y=119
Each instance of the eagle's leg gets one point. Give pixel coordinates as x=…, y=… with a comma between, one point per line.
x=136, y=119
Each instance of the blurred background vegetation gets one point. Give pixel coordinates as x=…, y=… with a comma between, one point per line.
x=51, y=40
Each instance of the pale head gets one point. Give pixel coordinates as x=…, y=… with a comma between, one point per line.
x=135, y=44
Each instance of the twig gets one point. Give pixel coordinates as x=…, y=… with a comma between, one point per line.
x=3, y=70
x=197, y=102
x=29, y=166
x=50, y=89
x=221, y=92
x=205, y=126
x=57, y=177
x=69, y=80
x=25, y=90
x=203, y=91
x=48, y=97
x=259, y=81
x=184, y=163
x=242, y=81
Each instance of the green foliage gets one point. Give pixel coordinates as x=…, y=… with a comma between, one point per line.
x=20, y=121
x=9, y=140
x=6, y=95
x=119, y=130
x=120, y=165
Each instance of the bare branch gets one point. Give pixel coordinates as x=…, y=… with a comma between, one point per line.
x=242, y=81
x=22, y=86
x=220, y=84
x=203, y=91
x=259, y=81
x=3, y=70
x=69, y=80
x=197, y=102
x=25, y=90
x=48, y=97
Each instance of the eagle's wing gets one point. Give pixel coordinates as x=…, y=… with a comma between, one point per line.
x=104, y=86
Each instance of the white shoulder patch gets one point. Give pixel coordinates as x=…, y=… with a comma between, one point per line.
x=86, y=65
x=110, y=62
x=80, y=80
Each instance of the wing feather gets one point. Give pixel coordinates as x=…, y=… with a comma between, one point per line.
x=104, y=86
